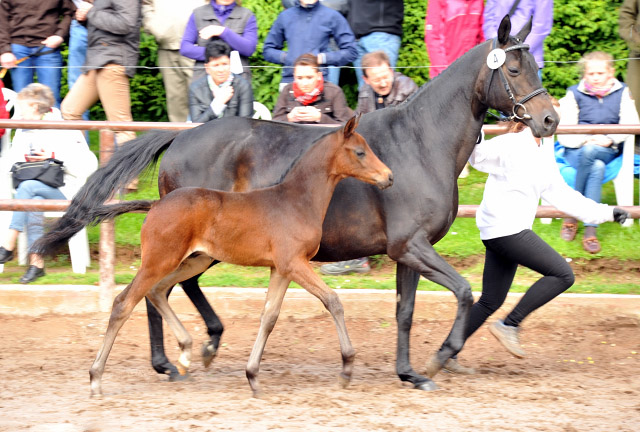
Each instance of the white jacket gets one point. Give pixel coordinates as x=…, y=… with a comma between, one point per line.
x=520, y=173
x=67, y=145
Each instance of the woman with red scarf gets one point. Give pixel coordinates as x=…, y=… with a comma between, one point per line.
x=308, y=99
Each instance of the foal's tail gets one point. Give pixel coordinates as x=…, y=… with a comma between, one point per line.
x=125, y=165
x=110, y=211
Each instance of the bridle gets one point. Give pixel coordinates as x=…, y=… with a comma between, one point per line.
x=516, y=104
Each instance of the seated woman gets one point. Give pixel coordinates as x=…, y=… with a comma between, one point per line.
x=219, y=93
x=35, y=102
x=308, y=99
x=598, y=98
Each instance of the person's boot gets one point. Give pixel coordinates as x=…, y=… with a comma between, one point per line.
x=508, y=336
x=590, y=242
x=360, y=265
x=32, y=274
x=5, y=255
x=452, y=366
x=569, y=229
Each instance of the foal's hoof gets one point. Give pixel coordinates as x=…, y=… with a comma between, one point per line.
x=344, y=381
x=96, y=395
x=433, y=366
x=209, y=352
x=175, y=376
x=426, y=386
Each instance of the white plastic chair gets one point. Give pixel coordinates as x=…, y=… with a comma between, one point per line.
x=261, y=111
x=5, y=178
x=623, y=183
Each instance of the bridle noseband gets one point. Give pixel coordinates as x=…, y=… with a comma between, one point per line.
x=516, y=104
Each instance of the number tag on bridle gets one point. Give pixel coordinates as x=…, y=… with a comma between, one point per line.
x=496, y=58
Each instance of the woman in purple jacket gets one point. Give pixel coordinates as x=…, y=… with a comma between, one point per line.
x=232, y=23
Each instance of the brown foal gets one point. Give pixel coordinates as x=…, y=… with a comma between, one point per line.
x=278, y=227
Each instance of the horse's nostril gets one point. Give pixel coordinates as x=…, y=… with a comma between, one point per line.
x=549, y=122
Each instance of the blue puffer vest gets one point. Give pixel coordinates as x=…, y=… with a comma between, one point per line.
x=594, y=110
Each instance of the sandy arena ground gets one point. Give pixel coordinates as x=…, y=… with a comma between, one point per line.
x=581, y=372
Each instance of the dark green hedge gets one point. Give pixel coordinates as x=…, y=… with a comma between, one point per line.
x=580, y=26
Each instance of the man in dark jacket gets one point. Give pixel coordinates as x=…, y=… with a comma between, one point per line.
x=309, y=99
x=307, y=28
x=112, y=54
x=382, y=86
x=219, y=93
x=376, y=27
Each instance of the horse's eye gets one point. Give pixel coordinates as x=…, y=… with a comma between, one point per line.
x=360, y=153
x=513, y=70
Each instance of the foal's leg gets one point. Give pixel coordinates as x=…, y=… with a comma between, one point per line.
x=304, y=275
x=275, y=294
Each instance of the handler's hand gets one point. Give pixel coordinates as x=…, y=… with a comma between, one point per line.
x=8, y=60
x=620, y=215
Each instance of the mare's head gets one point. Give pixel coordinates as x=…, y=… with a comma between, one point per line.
x=510, y=83
x=354, y=158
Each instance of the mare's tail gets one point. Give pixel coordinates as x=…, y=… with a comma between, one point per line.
x=125, y=165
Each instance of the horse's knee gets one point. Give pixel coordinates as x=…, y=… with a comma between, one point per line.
x=463, y=294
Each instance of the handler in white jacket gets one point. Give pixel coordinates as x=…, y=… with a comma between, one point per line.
x=521, y=171
x=35, y=102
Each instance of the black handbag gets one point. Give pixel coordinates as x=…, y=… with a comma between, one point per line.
x=49, y=172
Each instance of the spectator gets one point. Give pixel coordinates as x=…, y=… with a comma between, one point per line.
x=35, y=30
x=376, y=27
x=342, y=6
x=308, y=99
x=451, y=28
x=521, y=170
x=235, y=25
x=35, y=102
x=383, y=87
x=628, y=26
x=166, y=20
x=540, y=10
x=219, y=93
x=4, y=114
x=112, y=53
x=598, y=98
x=308, y=28
x=77, y=55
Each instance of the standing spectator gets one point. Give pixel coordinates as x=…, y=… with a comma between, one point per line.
x=166, y=21
x=35, y=102
x=219, y=93
x=598, y=98
x=112, y=54
x=308, y=28
x=77, y=54
x=308, y=99
x=35, y=30
x=377, y=26
x=540, y=10
x=229, y=21
x=382, y=88
x=628, y=26
x=451, y=28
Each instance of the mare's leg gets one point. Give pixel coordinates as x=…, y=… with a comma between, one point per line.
x=123, y=305
x=304, y=275
x=275, y=294
x=419, y=255
x=159, y=360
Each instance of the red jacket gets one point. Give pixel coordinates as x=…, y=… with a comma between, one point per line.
x=452, y=27
x=3, y=109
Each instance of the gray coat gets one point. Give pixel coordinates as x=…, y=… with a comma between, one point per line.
x=200, y=98
x=113, y=34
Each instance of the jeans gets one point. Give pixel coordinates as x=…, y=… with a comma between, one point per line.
x=389, y=43
x=502, y=258
x=590, y=162
x=32, y=222
x=77, y=55
x=46, y=67
x=333, y=74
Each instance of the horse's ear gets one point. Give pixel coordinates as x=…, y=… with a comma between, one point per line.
x=504, y=30
x=524, y=32
x=351, y=126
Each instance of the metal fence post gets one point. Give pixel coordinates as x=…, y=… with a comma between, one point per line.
x=107, y=234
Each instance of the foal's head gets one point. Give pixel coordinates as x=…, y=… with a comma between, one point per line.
x=355, y=158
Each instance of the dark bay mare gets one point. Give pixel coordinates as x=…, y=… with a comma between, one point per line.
x=425, y=141
x=278, y=227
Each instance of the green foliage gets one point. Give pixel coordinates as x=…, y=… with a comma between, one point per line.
x=413, y=52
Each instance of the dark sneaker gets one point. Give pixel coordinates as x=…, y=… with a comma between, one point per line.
x=508, y=336
x=360, y=265
x=32, y=274
x=5, y=255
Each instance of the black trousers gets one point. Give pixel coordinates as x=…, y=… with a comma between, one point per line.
x=502, y=258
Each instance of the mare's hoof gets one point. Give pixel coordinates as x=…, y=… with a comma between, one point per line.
x=344, y=381
x=175, y=376
x=209, y=352
x=433, y=366
x=426, y=386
